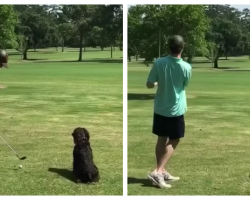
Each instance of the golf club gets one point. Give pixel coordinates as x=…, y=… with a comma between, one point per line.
x=21, y=158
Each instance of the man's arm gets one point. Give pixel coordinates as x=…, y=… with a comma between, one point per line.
x=187, y=76
x=152, y=77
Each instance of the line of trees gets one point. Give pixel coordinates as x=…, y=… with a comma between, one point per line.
x=211, y=31
x=25, y=27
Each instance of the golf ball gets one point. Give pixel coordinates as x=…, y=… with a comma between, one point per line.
x=20, y=166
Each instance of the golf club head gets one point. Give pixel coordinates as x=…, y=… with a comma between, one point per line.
x=23, y=158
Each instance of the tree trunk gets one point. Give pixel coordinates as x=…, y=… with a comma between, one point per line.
x=62, y=45
x=25, y=54
x=136, y=57
x=111, y=51
x=102, y=48
x=56, y=48
x=114, y=48
x=129, y=58
x=216, y=62
x=84, y=49
x=80, y=50
x=190, y=59
x=226, y=55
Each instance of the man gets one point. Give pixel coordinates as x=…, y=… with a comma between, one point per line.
x=3, y=61
x=171, y=74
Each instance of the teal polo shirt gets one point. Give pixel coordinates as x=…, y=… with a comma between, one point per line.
x=173, y=75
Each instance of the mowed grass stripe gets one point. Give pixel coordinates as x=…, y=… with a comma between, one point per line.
x=39, y=109
x=213, y=158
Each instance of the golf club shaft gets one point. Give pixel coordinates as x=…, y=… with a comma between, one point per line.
x=9, y=147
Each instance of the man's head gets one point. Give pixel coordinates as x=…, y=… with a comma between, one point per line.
x=3, y=58
x=176, y=44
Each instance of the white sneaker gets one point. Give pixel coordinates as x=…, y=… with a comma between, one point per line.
x=158, y=179
x=169, y=178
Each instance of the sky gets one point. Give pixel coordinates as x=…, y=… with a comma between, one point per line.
x=239, y=6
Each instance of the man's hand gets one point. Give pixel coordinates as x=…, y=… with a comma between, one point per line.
x=151, y=85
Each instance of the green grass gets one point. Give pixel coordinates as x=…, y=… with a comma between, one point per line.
x=42, y=104
x=213, y=158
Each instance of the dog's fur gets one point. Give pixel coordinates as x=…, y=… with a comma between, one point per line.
x=84, y=168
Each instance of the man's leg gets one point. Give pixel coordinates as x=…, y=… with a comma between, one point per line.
x=154, y=176
x=164, y=150
x=164, y=128
x=174, y=139
x=160, y=150
x=167, y=152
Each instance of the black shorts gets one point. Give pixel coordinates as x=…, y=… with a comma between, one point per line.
x=171, y=127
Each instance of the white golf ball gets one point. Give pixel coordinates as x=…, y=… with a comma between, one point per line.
x=20, y=166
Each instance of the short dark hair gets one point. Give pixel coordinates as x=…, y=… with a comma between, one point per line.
x=176, y=44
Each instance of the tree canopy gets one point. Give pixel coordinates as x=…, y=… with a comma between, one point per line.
x=27, y=27
x=211, y=31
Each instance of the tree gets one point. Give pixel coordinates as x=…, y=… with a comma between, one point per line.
x=32, y=27
x=225, y=30
x=8, y=20
x=143, y=31
x=110, y=19
x=81, y=16
x=65, y=30
x=245, y=40
x=62, y=28
x=149, y=27
x=135, y=20
x=98, y=34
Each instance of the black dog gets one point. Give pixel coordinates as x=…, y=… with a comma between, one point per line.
x=84, y=168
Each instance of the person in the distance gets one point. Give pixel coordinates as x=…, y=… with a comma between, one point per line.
x=171, y=75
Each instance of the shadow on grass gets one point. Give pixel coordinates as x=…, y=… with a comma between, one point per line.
x=194, y=66
x=207, y=61
x=39, y=52
x=68, y=174
x=201, y=62
x=13, y=53
x=235, y=70
x=88, y=50
x=143, y=182
x=84, y=61
x=35, y=59
x=240, y=60
x=225, y=68
x=45, y=52
x=133, y=96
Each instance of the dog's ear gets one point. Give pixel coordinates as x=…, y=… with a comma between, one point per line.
x=86, y=133
x=74, y=133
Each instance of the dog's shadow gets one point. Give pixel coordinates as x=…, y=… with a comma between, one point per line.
x=143, y=182
x=68, y=174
